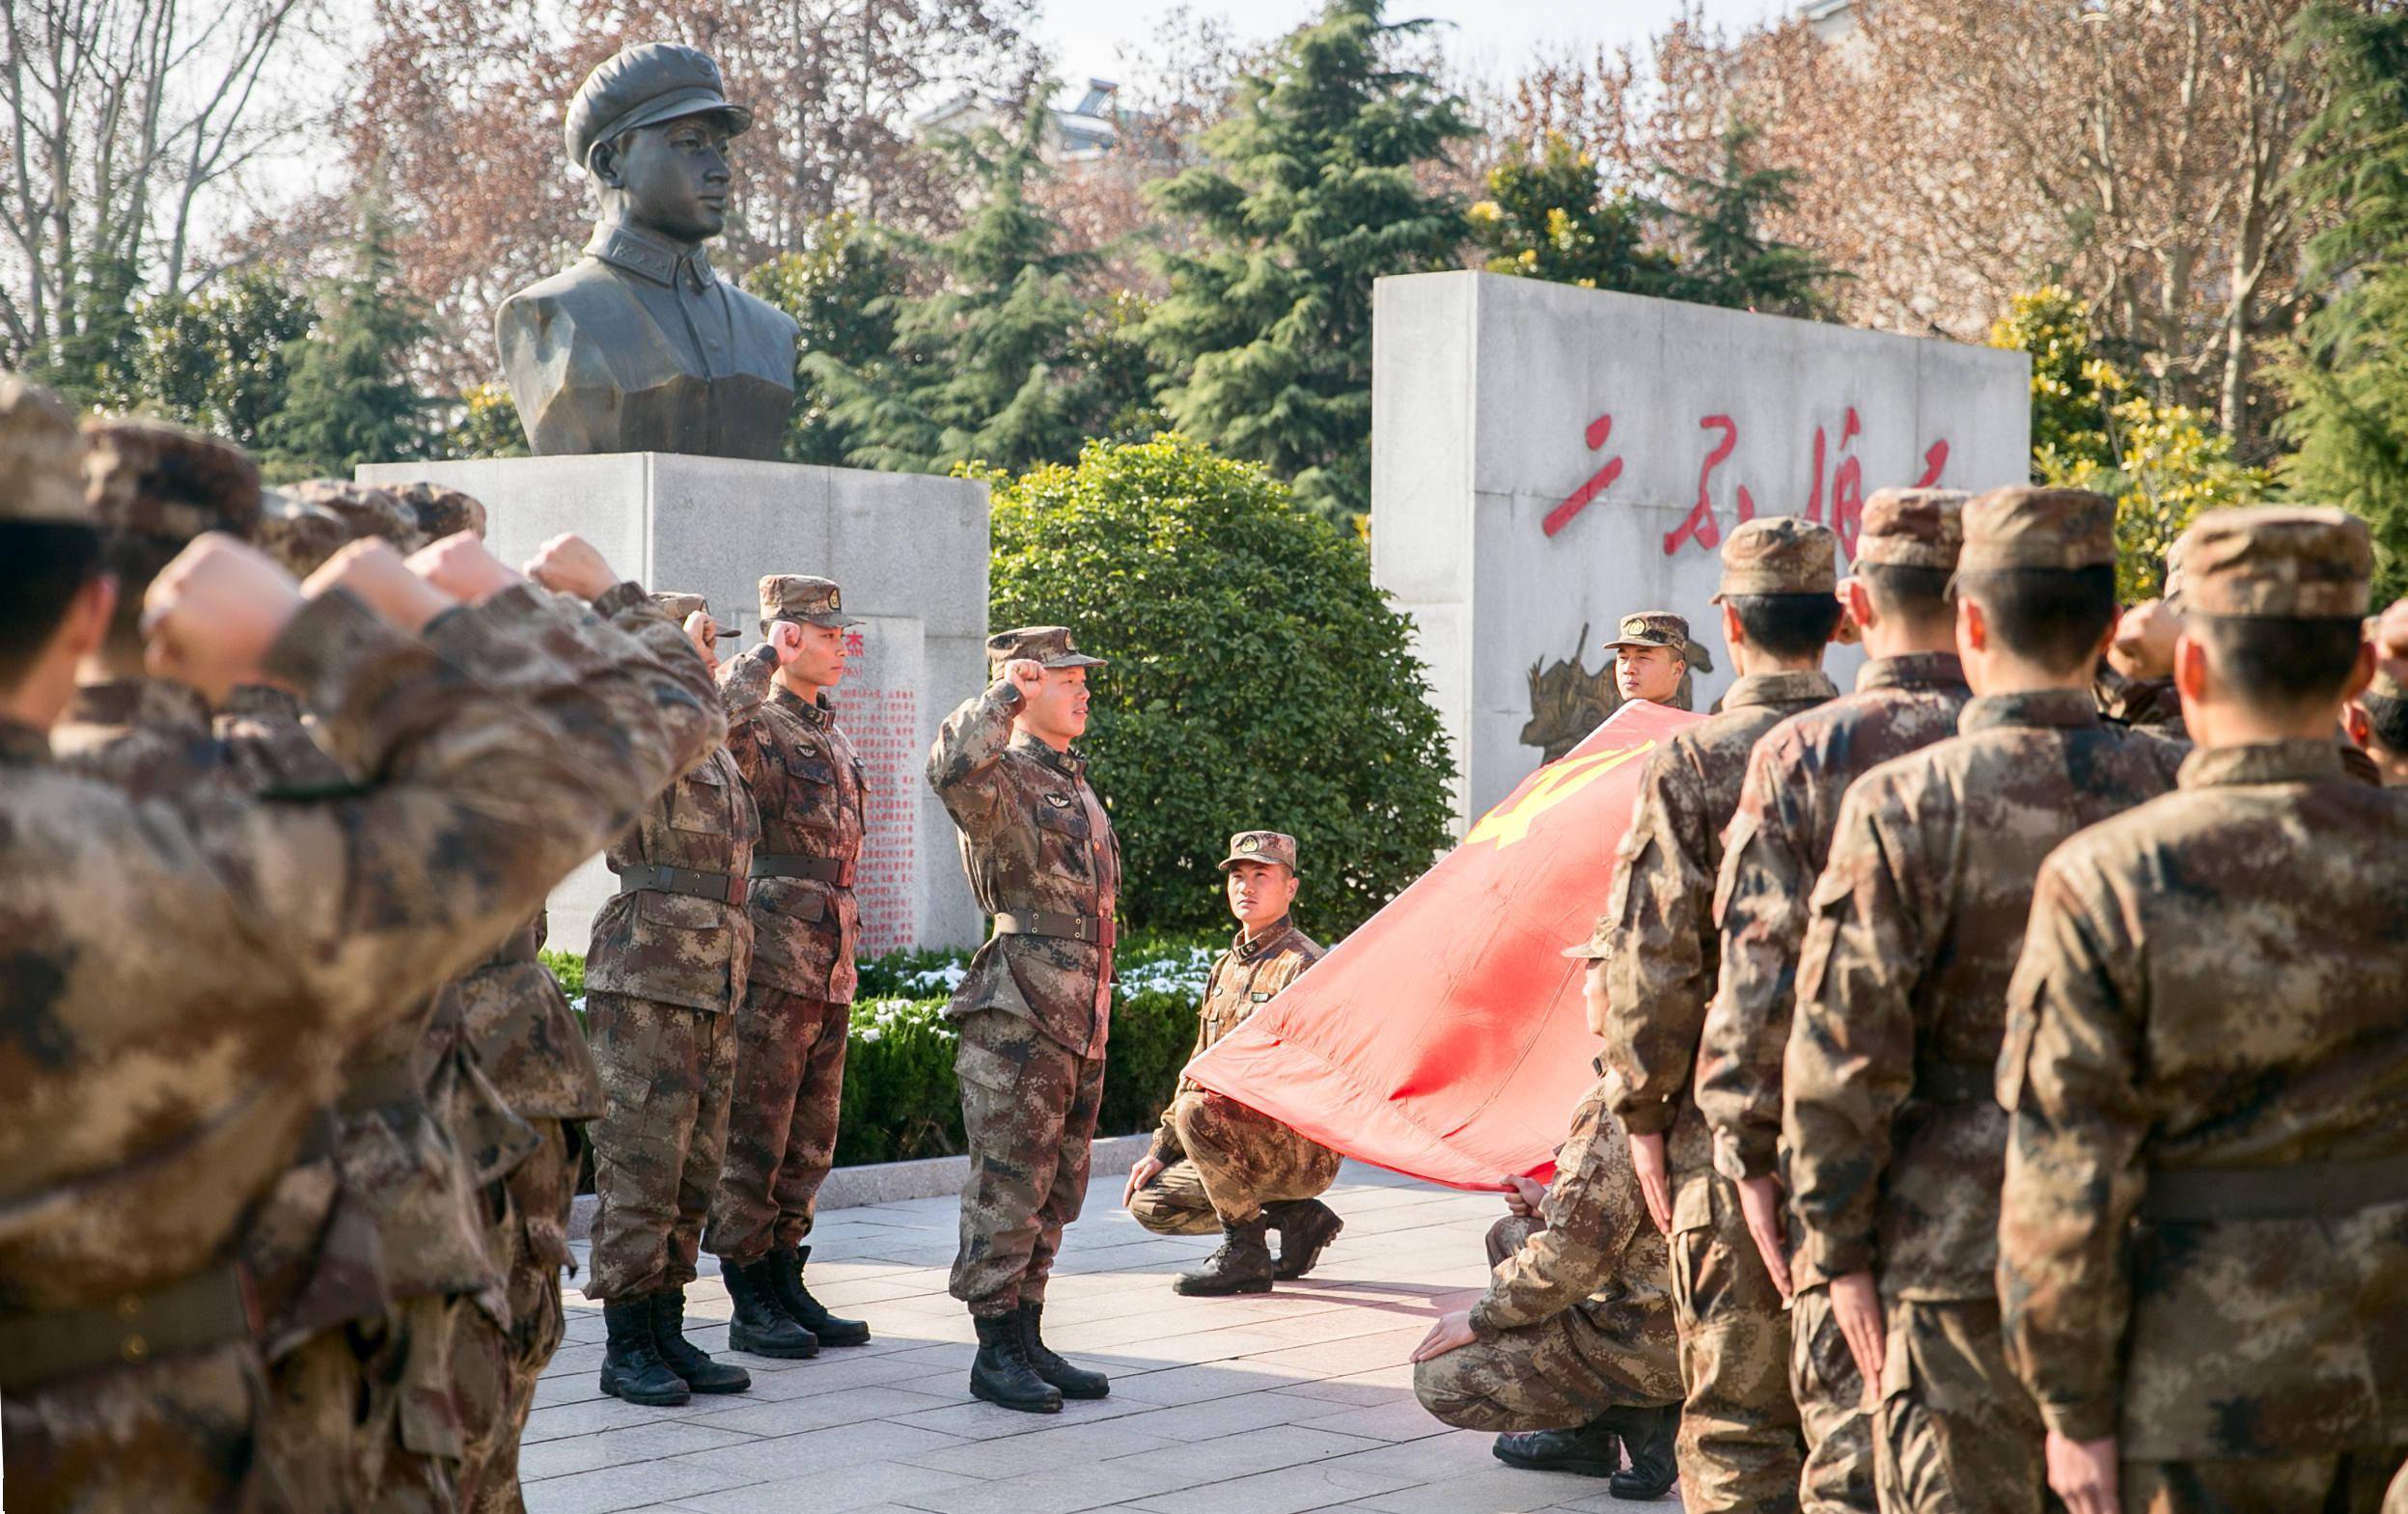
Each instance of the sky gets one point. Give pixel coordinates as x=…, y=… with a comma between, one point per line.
x=1490, y=35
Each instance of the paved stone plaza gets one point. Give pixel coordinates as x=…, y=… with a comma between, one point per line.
x=1277, y=1403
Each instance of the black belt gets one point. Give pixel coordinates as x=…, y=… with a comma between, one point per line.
x=790, y=865
x=208, y=1309
x=724, y=887
x=2305, y=1190
x=1065, y=928
x=1955, y=1083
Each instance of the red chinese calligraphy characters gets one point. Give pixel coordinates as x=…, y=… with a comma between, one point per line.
x=1578, y=500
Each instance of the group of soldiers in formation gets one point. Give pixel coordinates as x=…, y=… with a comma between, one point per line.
x=2005, y=1094
x=296, y=1115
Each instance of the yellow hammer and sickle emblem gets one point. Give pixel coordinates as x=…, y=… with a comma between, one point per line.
x=1511, y=822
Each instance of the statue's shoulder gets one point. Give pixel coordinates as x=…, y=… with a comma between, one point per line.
x=587, y=284
x=753, y=310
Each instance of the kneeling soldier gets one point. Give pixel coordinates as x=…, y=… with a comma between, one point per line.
x=1216, y=1162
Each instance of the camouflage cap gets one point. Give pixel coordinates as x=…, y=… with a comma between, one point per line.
x=1780, y=555
x=644, y=86
x=1271, y=846
x=1048, y=646
x=1652, y=628
x=2021, y=526
x=300, y=536
x=440, y=512
x=1912, y=528
x=2288, y=561
x=679, y=607
x=42, y=458
x=153, y=479
x=363, y=509
x=803, y=600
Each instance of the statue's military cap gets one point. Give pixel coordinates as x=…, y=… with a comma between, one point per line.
x=644, y=86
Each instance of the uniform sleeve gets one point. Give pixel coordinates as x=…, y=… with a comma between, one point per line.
x=2074, y=1175
x=1851, y=1054
x=1760, y=911
x=744, y=682
x=1592, y=1209
x=962, y=763
x=1661, y=932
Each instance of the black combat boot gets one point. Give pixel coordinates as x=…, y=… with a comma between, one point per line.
x=785, y=1269
x=762, y=1324
x=1306, y=1226
x=1075, y=1382
x=1000, y=1373
x=1242, y=1264
x=686, y=1359
x=1591, y=1451
x=1647, y=1435
x=631, y=1365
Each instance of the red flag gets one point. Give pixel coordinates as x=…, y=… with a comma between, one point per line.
x=1445, y=1039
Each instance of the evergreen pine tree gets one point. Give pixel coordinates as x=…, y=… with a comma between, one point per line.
x=1732, y=262
x=977, y=370
x=2347, y=373
x=93, y=364
x=840, y=288
x=1310, y=194
x=350, y=399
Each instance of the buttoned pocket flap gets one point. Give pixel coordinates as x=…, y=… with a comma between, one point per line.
x=685, y=911
x=984, y=1066
x=810, y=767
x=793, y=901
x=1692, y=1208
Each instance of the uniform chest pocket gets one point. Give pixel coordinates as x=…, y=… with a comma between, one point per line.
x=810, y=768
x=1064, y=819
x=699, y=801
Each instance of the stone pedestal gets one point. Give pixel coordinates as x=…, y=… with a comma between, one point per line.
x=1547, y=459
x=910, y=551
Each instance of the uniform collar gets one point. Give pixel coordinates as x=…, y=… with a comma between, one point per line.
x=1070, y=764
x=141, y=702
x=649, y=257
x=22, y=743
x=2296, y=759
x=1913, y=670
x=2066, y=708
x=1779, y=688
x=815, y=712
x=1273, y=936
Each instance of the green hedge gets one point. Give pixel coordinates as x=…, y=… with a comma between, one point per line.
x=901, y=1101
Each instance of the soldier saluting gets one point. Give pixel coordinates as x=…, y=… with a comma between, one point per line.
x=1035, y=1008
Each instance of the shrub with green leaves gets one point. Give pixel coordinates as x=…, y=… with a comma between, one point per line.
x=1256, y=677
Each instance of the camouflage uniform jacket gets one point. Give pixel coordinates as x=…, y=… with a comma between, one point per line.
x=2213, y=981
x=161, y=1076
x=1244, y=978
x=2148, y=703
x=808, y=785
x=1773, y=850
x=1034, y=838
x=1895, y=1146
x=1660, y=918
x=1598, y=1253
x=684, y=949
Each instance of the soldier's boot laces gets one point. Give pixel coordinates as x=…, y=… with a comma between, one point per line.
x=1647, y=1435
x=1075, y=1382
x=686, y=1359
x=1000, y=1373
x=762, y=1324
x=1592, y=1450
x=1306, y=1226
x=1242, y=1264
x=785, y=1269
x=631, y=1365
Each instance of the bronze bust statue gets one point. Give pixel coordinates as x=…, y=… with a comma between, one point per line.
x=639, y=345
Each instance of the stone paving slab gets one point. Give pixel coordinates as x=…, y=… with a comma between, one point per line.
x=1278, y=1403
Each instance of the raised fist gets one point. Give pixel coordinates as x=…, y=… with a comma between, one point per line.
x=373, y=570
x=786, y=639
x=2142, y=646
x=459, y=566
x=210, y=614
x=568, y=564
x=1027, y=675
x=703, y=632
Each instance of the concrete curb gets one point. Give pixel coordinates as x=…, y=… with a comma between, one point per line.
x=893, y=1182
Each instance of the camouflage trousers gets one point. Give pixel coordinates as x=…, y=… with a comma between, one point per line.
x=2345, y=1482
x=1830, y=1393
x=1238, y=1159
x=1739, y=1446
x=1029, y=1105
x=666, y=1072
x=531, y=1251
x=790, y=1078
x=178, y=1435
x=1557, y=1374
x=1957, y=1433
x=370, y=1415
